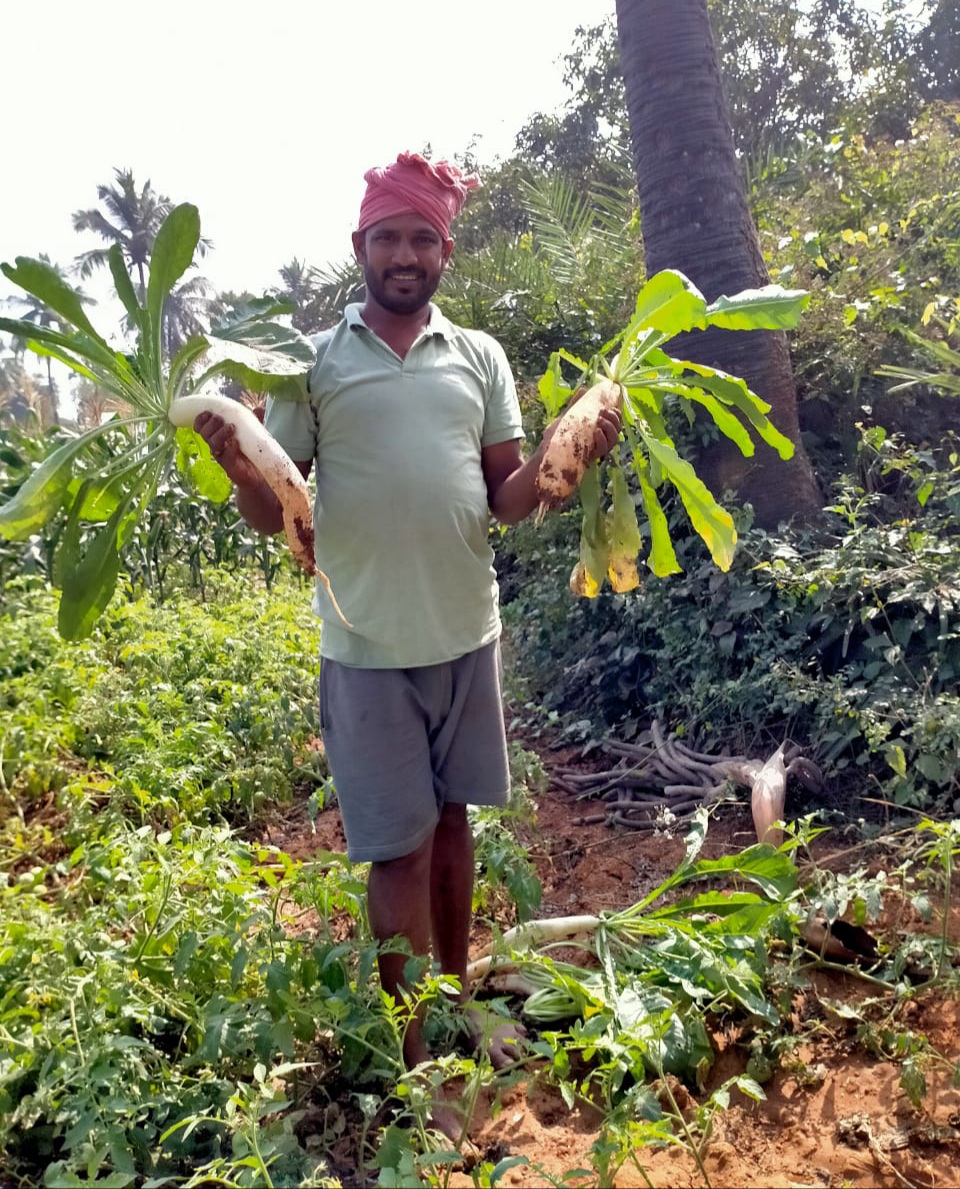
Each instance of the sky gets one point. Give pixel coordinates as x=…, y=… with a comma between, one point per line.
x=265, y=116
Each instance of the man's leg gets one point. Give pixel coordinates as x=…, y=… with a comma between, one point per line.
x=451, y=910
x=451, y=890
x=398, y=904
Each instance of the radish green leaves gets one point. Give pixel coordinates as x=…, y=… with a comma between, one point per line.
x=668, y=305
x=104, y=478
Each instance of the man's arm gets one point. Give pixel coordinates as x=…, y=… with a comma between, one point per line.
x=256, y=503
x=511, y=481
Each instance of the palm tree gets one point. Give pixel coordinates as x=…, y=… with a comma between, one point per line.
x=569, y=278
x=319, y=296
x=132, y=220
x=21, y=399
x=185, y=313
x=695, y=218
x=94, y=404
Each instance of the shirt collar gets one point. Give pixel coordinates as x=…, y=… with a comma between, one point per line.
x=438, y=324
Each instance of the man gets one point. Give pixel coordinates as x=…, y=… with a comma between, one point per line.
x=414, y=426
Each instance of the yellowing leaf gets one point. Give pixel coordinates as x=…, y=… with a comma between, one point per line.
x=623, y=573
x=583, y=583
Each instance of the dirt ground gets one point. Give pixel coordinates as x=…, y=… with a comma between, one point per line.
x=834, y=1113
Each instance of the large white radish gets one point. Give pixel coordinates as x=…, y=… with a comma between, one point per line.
x=530, y=934
x=571, y=449
x=276, y=468
x=768, y=796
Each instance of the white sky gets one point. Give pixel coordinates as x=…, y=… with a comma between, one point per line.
x=263, y=115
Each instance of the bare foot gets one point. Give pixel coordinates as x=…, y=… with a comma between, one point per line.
x=501, y=1039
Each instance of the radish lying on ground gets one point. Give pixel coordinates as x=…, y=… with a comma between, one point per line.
x=104, y=479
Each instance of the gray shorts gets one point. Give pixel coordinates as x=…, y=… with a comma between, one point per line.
x=403, y=742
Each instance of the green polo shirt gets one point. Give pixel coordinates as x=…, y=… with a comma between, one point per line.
x=401, y=517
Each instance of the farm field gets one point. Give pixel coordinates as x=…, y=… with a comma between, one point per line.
x=722, y=900
x=187, y=983
x=835, y=1112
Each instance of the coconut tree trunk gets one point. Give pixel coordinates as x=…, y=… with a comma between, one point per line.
x=695, y=218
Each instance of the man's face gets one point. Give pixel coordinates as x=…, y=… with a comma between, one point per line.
x=403, y=259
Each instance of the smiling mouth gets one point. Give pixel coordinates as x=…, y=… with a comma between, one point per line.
x=404, y=278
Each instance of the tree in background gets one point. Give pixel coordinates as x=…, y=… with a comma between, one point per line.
x=551, y=263
x=789, y=71
x=185, y=313
x=94, y=403
x=132, y=220
x=695, y=219
x=936, y=66
x=22, y=400
x=319, y=294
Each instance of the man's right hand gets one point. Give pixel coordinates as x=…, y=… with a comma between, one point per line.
x=221, y=438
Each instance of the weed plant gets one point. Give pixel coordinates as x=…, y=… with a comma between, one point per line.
x=162, y=1016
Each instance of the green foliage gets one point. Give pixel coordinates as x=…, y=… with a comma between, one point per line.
x=180, y=711
x=656, y=971
x=505, y=870
x=788, y=70
x=845, y=644
x=177, y=544
x=869, y=228
x=936, y=351
x=561, y=266
x=165, y=1015
x=147, y=970
x=103, y=498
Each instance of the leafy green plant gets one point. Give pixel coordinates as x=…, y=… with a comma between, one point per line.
x=638, y=1008
x=501, y=854
x=181, y=711
x=667, y=305
x=947, y=378
x=940, y=849
x=259, y=1132
x=104, y=497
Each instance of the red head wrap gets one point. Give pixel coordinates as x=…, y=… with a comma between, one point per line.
x=411, y=185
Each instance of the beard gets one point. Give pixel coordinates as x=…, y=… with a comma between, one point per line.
x=406, y=298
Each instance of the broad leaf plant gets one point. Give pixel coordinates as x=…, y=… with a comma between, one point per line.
x=101, y=488
x=668, y=304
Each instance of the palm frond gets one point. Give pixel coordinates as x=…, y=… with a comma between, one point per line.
x=570, y=225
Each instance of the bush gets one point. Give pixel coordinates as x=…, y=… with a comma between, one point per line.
x=843, y=643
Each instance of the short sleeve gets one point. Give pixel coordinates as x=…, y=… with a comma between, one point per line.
x=294, y=425
x=502, y=421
